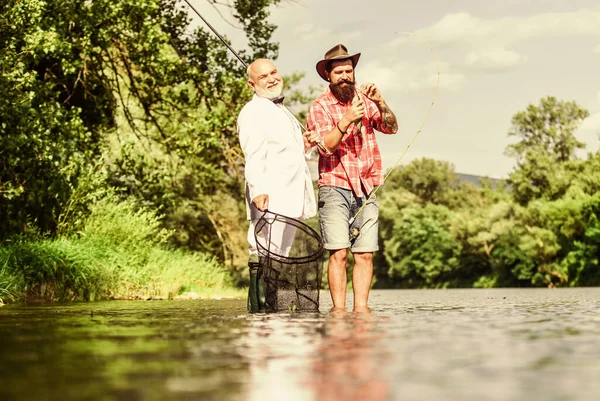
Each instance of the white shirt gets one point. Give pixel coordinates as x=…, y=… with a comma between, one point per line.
x=271, y=139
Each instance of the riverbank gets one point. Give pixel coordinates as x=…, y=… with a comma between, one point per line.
x=88, y=270
x=120, y=253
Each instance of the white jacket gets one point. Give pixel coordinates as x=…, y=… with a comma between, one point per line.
x=271, y=140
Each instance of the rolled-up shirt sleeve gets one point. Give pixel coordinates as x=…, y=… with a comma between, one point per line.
x=254, y=145
x=320, y=121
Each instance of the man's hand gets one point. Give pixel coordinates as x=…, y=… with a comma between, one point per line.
x=261, y=202
x=354, y=112
x=371, y=92
x=311, y=138
x=389, y=122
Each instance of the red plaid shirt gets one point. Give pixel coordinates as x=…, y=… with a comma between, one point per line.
x=360, y=169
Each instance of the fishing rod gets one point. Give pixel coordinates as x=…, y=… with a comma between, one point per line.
x=320, y=145
x=217, y=33
x=355, y=231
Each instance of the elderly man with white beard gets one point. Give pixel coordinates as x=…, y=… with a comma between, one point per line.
x=275, y=152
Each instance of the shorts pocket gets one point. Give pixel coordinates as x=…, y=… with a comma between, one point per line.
x=324, y=193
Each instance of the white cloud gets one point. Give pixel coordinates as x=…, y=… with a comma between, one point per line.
x=309, y=32
x=494, y=59
x=409, y=76
x=466, y=29
x=592, y=123
x=488, y=44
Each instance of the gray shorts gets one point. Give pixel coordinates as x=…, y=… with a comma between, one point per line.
x=336, y=207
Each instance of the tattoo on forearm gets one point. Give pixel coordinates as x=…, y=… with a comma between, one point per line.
x=390, y=124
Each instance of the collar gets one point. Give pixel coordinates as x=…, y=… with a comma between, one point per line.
x=277, y=100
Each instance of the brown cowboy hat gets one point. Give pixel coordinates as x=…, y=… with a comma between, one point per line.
x=337, y=52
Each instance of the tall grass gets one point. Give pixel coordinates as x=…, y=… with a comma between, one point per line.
x=9, y=285
x=119, y=251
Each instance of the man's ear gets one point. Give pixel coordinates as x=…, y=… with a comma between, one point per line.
x=251, y=85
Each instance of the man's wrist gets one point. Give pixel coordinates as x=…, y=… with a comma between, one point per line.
x=342, y=126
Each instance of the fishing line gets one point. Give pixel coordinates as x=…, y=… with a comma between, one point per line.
x=355, y=231
x=320, y=145
x=217, y=33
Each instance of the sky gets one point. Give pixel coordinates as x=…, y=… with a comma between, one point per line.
x=495, y=59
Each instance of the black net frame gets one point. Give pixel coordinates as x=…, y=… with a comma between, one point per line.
x=291, y=276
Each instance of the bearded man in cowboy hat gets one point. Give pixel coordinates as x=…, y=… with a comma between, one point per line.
x=345, y=118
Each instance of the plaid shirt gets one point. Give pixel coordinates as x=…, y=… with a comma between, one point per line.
x=360, y=169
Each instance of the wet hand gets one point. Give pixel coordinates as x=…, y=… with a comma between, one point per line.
x=261, y=202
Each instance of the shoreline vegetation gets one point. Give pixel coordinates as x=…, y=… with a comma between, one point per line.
x=121, y=252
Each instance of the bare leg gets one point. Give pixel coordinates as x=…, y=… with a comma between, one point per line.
x=361, y=278
x=337, y=277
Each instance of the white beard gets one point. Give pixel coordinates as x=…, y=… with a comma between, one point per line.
x=270, y=94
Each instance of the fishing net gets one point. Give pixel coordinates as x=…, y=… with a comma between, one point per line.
x=288, y=275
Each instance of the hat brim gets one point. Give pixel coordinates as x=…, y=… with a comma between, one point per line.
x=322, y=65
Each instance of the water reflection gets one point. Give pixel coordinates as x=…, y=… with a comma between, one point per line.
x=279, y=348
x=350, y=359
x=321, y=357
x=467, y=345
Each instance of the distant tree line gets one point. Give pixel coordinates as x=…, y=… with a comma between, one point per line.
x=538, y=228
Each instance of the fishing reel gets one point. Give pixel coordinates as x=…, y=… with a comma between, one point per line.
x=354, y=233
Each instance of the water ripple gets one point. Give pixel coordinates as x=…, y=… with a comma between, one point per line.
x=501, y=344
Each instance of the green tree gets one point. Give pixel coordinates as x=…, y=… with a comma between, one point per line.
x=423, y=252
x=545, y=144
x=582, y=262
x=480, y=231
x=126, y=81
x=432, y=181
x=585, y=176
x=392, y=205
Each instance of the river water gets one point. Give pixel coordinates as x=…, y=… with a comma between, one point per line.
x=500, y=344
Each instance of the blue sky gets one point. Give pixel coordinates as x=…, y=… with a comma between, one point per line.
x=495, y=59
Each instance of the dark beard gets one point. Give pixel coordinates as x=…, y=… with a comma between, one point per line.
x=344, y=93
